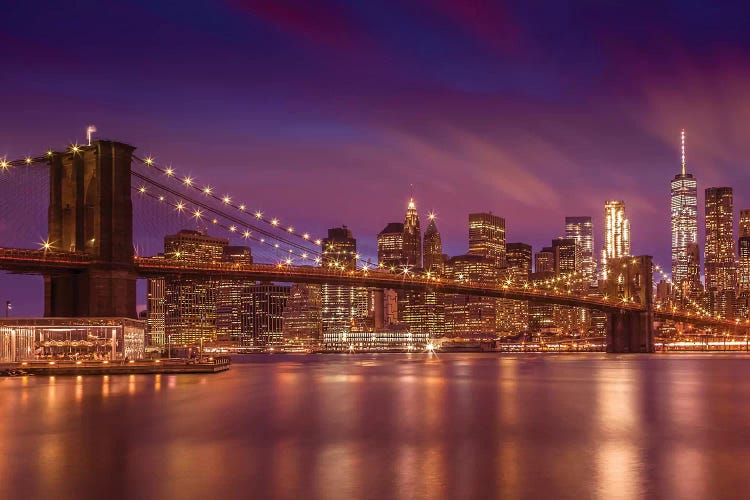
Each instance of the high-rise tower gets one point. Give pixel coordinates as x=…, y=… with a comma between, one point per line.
x=719, y=256
x=684, y=216
x=581, y=229
x=412, y=242
x=616, y=233
x=433, y=248
x=487, y=237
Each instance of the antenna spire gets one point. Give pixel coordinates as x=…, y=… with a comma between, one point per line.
x=683, y=151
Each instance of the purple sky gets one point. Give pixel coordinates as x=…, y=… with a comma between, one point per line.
x=325, y=114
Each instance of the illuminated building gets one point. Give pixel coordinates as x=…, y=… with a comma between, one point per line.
x=684, y=216
x=513, y=315
x=567, y=256
x=338, y=302
x=487, y=237
x=569, y=320
x=581, y=229
x=190, y=303
x=468, y=315
x=412, y=243
x=391, y=246
x=616, y=233
x=233, y=300
x=302, y=314
x=544, y=261
x=743, y=271
x=744, y=222
x=719, y=257
x=375, y=341
x=157, y=311
x=433, y=248
x=267, y=302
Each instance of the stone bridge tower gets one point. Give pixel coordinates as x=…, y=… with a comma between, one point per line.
x=631, y=279
x=90, y=211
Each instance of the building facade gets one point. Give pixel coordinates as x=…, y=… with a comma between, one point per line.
x=616, y=234
x=581, y=230
x=719, y=254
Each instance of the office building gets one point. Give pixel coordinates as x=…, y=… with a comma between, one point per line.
x=719, y=255
x=391, y=246
x=487, y=237
x=581, y=230
x=616, y=234
x=267, y=302
x=412, y=242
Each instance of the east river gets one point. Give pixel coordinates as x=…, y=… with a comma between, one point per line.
x=451, y=426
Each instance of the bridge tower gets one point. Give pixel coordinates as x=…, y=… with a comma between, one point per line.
x=90, y=211
x=631, y=279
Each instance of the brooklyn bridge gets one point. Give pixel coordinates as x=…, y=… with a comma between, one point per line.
x=90, y=267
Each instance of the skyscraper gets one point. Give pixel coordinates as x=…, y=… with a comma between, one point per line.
x=412, y=245
x=302, y=321
x=267, y=302
x=744, y=222
x=513, y=315
x=391, y=246
x=684, y=217
x=338, y=302
x=719, y=256
x=233, y=300
x=433, y=248
x=616, y=233
x=581, y=229
x=487, y=237
x=190, y=303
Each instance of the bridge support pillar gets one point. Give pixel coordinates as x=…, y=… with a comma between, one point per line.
x=91, y=211
x=630, y=331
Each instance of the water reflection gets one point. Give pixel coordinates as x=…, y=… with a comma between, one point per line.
x=375, y=426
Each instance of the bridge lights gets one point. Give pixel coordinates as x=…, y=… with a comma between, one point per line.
x=246, y=234
x=46, y=245
x=75, y=149
x=188, y=181
x=318, y=242
x=207, y=190
x=226, y=199
x=242, y=208
x=28, y=160
x=149, y=161
x=142, y=189
x=274, y=222
x=169, y=172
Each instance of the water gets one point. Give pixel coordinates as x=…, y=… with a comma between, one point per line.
x=387, y=426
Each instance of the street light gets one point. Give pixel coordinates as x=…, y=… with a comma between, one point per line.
x=8, y=307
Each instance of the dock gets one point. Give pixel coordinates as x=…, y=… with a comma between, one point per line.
x=116, y=367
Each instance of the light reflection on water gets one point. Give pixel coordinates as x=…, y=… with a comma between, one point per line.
x=387, y=426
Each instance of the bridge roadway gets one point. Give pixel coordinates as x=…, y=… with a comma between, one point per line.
x=25, y=261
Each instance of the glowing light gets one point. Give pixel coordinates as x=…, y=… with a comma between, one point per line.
x=242, y=208
x=276, y=245
x=290, y=229
x=188, y=181
x=432, y=216
x=50, y=152
x=46, y=244
x=161, y=198
x=149, y=161
x=318, y=242
x=275, y=222
x=142, y=189
x=169, y=171
x=197, y=214
x=227, y=200
x=258, y=214
x=4, y=164
x=180, y=206
x=304, y=255
x=306, y=236
x=317, y=260
x=207, y=190
x=288, y=262
x=233, y=229
x=215, y=221
x=246, y=234
x=74, y=148
x=28, y=160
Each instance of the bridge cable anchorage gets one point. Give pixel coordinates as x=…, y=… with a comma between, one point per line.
x=192, y=212
x=227, y=200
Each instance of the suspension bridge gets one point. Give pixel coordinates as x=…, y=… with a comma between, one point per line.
x=90, y=267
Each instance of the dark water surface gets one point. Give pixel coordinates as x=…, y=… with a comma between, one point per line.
x=387, y=426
